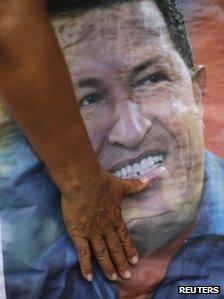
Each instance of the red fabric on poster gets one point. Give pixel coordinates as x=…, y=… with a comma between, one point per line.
x=205, y=21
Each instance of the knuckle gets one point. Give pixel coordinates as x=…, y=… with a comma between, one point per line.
x=124, y=235
x=101, y=253
x=5, y=26
x=118, y=221
x=117, y=249
x=84, y=254
x=9, y=27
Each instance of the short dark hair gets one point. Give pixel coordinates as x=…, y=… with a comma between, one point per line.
x=169, y=8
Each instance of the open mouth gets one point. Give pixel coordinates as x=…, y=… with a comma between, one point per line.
x=138, y=166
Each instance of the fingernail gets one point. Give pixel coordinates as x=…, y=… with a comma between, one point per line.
x=114, y=276
x=134, y=260
x=127, y=274
x=144, y=179
x=89, y=277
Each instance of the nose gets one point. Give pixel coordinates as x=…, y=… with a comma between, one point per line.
x=131, y=125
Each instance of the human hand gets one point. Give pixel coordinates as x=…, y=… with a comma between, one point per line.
x=36, y=76
x=93, y=219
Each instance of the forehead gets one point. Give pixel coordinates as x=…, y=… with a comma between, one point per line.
x=119, y=28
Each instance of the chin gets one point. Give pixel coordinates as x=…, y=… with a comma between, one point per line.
x=154, y=232
x=159, y=215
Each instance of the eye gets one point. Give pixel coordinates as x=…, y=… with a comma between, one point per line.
x=150, y=79
x=91, y=99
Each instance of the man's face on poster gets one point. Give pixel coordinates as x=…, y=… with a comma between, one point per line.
x=143, y=112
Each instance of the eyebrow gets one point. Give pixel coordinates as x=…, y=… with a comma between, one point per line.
x=89, y=82
x=95, y=82
x=144, y=65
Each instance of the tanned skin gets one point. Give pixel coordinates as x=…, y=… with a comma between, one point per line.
x=36, y=87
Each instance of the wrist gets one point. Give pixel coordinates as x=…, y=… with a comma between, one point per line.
x=72, y=181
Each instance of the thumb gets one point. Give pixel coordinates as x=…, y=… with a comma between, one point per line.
x=131, y=186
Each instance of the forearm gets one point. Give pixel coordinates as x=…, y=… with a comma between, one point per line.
x=36, y=87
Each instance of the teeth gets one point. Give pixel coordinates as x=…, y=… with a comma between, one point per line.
x=118, y=173
x=123, y=172
x=156, y=159
x=144, y=166
x=151, y=161
x=160, y=157
x=129, y=169
x=136, y=167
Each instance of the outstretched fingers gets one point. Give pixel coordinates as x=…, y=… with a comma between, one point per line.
x=103, y=257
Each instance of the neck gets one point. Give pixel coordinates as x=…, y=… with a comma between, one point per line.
x=150, y=271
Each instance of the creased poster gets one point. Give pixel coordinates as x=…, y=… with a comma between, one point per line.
x=152, y=109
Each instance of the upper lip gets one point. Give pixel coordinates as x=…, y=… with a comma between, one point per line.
x=136, y=159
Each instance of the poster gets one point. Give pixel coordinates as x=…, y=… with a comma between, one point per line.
x=143, y=98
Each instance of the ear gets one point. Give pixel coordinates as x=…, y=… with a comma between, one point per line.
x=199, y=85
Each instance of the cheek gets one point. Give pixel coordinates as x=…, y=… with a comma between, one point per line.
x=179, y=120
x=98, y=123
x=171, y=110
